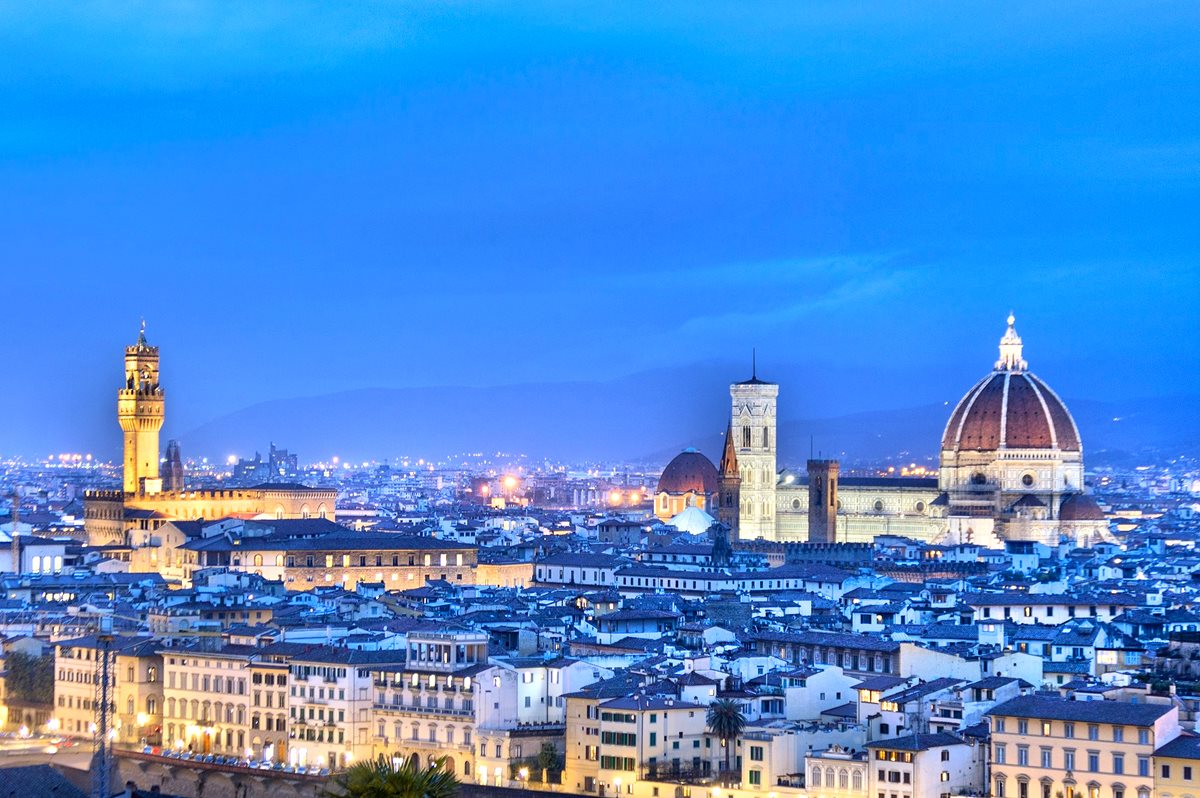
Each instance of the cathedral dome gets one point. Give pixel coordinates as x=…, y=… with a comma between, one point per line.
x=689, y=471
x=1011, y=409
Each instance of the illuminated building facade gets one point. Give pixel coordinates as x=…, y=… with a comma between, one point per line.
x=1011, y=468
x=144, y=503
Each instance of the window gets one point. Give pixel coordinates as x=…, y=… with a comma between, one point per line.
x=756, y=752
x=999, y=755
x=1069, y=730
x=756, y=777
x=1118, y=763
x=1118, y=734
x=1166, y=771
x=1094, y=761
x=1093, y=732
x=945, y=775
x=1187, y=773
x=1022, y=727
x=1143, y=766
x=1143, y=736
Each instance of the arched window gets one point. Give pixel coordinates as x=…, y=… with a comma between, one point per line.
x=258, y=560
x=322, y=511
x=129, y=706
x=745, y=437
x=766, y=437
x=36, y=565
x=843, y=779
x=58, y=564
x=279, y=513
x=304, y=513
x=151, y=705
x=829, y=777
x=278, y=560
x=858, y=781
x=816, y=777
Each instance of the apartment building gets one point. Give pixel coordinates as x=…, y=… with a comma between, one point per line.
x=1048, y=747
x=922, y=766
x=330, y=701
x=135, y=688
x=836, y=772
x=1177, y=768
x=648, y=736
x=207, y=699
x=429, y=705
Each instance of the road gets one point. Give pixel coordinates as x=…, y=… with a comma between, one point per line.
x=15, y=752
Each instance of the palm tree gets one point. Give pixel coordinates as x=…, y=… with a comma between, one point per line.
x=383, y=779
x=726, y=720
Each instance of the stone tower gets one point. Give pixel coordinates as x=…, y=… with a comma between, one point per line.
x=140, y=412
x=822, y=501
x=729, y=486
x=752, y=422
x=173, y=468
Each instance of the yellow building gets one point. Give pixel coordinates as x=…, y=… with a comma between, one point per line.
x=1049, y=747
x=111, y=517
x=135, y=688
x=1177, y=768
x=230, y=701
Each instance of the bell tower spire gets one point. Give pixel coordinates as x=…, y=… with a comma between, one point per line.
x=1010, y=349
x=140, y=404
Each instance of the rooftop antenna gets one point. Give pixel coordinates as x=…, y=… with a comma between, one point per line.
x=753, y=363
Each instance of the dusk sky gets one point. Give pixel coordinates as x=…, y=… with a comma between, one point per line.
x=304, y=198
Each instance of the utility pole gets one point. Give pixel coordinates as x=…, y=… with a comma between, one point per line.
x=102, y=759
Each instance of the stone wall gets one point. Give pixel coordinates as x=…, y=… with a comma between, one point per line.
x=189, y=780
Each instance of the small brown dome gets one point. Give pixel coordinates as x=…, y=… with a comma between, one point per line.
x=689, y=471
x=1080, y=507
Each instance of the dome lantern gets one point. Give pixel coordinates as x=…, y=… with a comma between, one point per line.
x=1010, y=349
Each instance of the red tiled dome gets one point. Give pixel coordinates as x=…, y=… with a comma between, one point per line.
x=689, y=471
x=1014, y=410
x=1080, y=507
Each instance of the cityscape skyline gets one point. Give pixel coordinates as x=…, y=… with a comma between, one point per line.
x=473, y=399
x=381, y=426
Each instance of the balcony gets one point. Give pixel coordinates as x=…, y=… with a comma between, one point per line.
x=411, y=709
x=687, y=774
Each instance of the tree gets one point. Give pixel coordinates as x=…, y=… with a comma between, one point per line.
x=382, y=779
x=549, y=761
x=29, y=678
x=726, y=720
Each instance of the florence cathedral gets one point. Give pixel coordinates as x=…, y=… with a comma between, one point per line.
x=1010, y=469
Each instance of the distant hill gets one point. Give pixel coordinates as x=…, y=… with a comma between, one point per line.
x=644, y=417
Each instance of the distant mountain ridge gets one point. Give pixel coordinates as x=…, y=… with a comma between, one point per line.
x=632, y=420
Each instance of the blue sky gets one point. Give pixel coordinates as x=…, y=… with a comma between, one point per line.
x=302, y=198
